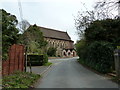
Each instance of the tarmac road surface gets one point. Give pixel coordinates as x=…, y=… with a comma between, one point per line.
x=68, y=73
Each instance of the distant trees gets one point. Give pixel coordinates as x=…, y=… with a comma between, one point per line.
x=9, y=31
x=51, y=51
x=33, y=39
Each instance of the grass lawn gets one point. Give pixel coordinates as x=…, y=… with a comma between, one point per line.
x=19, y=80
x=47, y=64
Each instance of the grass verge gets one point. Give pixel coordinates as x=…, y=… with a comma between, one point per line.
x=19, y=80
x=89, y=68
x=114, y=79
x=47, y=64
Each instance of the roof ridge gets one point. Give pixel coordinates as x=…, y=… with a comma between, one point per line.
x=52, y=29
x=53, y=33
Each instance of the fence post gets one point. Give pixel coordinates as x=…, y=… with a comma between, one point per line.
x=117, y=64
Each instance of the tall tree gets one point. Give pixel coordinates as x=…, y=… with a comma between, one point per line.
x=33, y=38
x=9, y=31
x=104, y=30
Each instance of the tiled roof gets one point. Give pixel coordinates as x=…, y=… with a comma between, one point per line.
x=51, y=33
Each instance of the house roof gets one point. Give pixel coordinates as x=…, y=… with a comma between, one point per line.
x=56, y=34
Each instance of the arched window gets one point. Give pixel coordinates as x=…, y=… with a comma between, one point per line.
x=64, y=53
x=69, y=53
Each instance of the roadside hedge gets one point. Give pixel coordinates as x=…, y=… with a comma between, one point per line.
x=99, y=56
x=45, y=59
x=99, y=40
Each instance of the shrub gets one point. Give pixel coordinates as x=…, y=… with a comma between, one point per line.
x=45, y=58
x=81, y=48
x=51, y=51
x=19, y=80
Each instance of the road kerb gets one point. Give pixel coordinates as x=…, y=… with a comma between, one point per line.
x=45, y=70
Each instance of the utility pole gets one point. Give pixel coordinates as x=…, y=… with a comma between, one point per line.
x=21, y=26
x=20, y=10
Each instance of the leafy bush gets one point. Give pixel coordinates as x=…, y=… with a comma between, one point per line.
x=99, y=56
x=51, y=51
x=99, y=40
x=19, y=80
x=45, y=58
x=81, y=48
x=104, y=30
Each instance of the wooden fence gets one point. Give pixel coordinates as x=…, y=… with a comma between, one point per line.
x=15, y=60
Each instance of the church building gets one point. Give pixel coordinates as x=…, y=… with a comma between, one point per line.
x=60, y=40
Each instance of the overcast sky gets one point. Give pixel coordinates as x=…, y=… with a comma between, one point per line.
x=55, y=14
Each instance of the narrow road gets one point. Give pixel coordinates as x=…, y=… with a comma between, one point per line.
x=68, y=73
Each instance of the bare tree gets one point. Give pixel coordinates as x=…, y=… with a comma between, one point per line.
x=110, y=6
x=23, y=26
x=85, y=18
x=103, y=9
